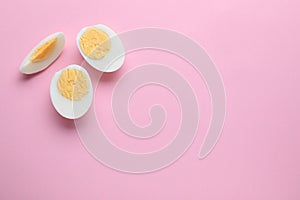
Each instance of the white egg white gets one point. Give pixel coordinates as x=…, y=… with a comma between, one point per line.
x=68, y=108
x=114, y=59
x=28, y=67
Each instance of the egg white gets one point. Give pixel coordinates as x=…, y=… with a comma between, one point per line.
x=114, y=59
x=68, y=108
x=28, y=67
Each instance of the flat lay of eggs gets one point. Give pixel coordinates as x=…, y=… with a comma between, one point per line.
x=71, y=91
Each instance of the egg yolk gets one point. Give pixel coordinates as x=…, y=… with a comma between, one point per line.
x=95, y=43
x=43, y=51
x=73, y=84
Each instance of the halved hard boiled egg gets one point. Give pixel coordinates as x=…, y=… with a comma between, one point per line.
x=101, y=47
x=43, y=54
x=71, y=91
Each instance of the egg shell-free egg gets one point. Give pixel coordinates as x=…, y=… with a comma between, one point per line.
x=28, y=67
x=70, y=109
x=114, y=59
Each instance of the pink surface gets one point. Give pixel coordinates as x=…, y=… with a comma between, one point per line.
x=255, y=45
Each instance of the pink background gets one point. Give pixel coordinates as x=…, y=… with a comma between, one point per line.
x=255, y=45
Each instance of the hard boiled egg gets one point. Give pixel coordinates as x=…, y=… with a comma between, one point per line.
x=101, y=47
x=71, y=91
x=43, y=54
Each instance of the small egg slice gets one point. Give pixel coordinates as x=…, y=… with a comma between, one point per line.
x=71, y=91
x=101, y=47
x=43, y=54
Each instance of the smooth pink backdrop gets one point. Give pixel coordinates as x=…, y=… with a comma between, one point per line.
x=254, y=43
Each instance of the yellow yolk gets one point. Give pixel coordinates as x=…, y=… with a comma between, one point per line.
x=95, y=43
x=44, y=51
x=73, y=84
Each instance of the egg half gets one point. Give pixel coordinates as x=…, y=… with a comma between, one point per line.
x=71, y=91
x=101, y=47
x=43, y=54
